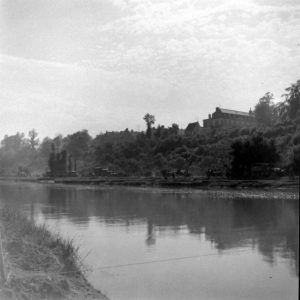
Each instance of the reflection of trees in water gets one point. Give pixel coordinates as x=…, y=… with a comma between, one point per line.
x=11, y=194
x=275, y=224
x=271, y=225
x=150, y=240
x=229, y=221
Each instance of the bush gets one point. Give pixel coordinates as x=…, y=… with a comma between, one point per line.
x=251, y=151
x=296, y=138
x=244, y=131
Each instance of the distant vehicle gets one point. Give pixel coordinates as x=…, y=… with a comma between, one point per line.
x=261, y=170
x=214, y=173
x=278, y=171
x=72, y=174
x=99, y=171
x=184, y=173
x=168, y=173
x=265, y=170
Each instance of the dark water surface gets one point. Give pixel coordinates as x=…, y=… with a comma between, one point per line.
x=174, y=244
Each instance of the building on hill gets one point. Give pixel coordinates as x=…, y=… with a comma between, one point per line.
x=226, y=118
x=193, y=128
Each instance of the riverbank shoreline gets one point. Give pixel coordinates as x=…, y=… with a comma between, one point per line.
x=36, y=264
x=283, y=183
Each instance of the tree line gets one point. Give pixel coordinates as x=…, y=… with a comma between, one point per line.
x=275, y=139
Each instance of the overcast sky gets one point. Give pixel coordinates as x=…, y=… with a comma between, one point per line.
x=67, y=65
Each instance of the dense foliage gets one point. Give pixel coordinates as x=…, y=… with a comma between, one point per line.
x=275, y=139
x=247, y=153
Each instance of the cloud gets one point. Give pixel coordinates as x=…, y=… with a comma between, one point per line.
x=185, y=44
x=103, y=64
x=62, y=98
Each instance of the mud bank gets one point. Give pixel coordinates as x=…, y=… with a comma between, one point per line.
x=35, y=264
x=192, y=182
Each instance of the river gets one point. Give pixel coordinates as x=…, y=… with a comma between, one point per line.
x=142, y=243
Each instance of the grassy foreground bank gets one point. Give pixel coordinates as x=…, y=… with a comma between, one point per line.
x=35, y=264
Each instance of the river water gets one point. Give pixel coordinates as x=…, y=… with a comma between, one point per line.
x=141, y=243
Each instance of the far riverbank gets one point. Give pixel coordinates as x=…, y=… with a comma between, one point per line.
x=190, y=182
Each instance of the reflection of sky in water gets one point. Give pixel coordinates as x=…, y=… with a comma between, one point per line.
x=240, y=245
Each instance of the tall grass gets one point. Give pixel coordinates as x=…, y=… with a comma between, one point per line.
x=16, y=224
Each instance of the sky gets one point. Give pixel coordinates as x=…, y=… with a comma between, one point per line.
x=101, y=65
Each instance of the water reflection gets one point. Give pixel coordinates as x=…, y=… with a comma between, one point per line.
x=272, y=225
x=228, y=221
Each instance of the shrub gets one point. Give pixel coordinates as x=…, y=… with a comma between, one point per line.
x=253, y=150
x=296, y=138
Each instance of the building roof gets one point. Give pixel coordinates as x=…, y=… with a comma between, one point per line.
x=192, y=126
x=234, y=112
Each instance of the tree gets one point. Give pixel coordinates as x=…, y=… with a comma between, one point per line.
x=45, y=148
x=77, y=144
x=291, y=106
x=264, y=110
x=251, y=151
x=150, y=120
x=58, y=142
x=13, y=143
x=182, y=158
x=174, y=129
x=33, y=139
x=15, y=152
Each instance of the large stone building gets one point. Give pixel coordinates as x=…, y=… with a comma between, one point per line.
x=226, y=118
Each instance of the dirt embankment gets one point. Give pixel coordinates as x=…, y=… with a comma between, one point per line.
x=36, y=264
x=178, y=182
x=200, y=182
